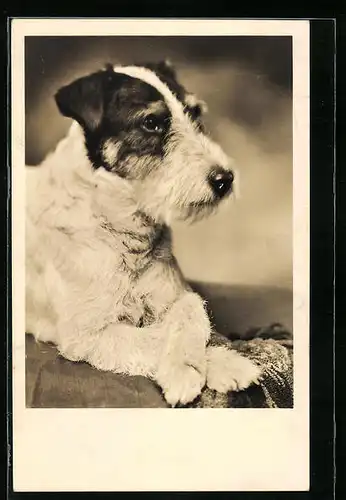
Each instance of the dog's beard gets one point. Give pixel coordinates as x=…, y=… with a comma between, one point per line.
x=197, y=211
x=193, y=212
x=188, y=211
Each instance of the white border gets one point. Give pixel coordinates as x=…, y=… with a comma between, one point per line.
x=159, y=449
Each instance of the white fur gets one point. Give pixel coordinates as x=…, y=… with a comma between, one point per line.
x=81, y=279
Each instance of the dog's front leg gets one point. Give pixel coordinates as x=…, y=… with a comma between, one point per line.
x=227, y=369
x=193, y=355
x=182, y=366
x=171, y=352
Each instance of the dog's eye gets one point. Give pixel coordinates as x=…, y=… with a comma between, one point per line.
x=153, y=124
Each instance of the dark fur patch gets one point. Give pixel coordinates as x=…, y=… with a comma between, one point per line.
x=111, y=107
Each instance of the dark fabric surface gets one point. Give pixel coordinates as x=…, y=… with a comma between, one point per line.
x=54, y=382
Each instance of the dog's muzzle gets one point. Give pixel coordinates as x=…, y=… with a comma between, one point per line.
x=221, y=180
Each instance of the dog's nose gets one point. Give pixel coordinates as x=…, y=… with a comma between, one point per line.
x=221, y=181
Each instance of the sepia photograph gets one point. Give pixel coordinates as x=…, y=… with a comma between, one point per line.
x=158, y=231
x=136, y=148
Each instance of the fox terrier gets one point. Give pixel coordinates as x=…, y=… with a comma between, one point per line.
x=102, y=283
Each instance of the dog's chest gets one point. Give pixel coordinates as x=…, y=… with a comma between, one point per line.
x=138, y=249
x=144, y=257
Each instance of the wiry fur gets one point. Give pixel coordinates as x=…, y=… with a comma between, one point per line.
x=101, y=280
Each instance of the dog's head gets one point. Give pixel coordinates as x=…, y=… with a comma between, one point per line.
x=141, y=124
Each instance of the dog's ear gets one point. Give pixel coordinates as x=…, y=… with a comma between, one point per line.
x=163, y=68
x=193, y=102
x=82, y=100
x=197, y=106
x=166, y=68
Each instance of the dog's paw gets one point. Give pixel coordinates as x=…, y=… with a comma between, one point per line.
x=227, y=370
x=181, y=384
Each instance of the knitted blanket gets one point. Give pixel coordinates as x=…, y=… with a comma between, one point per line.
x=271, y=348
